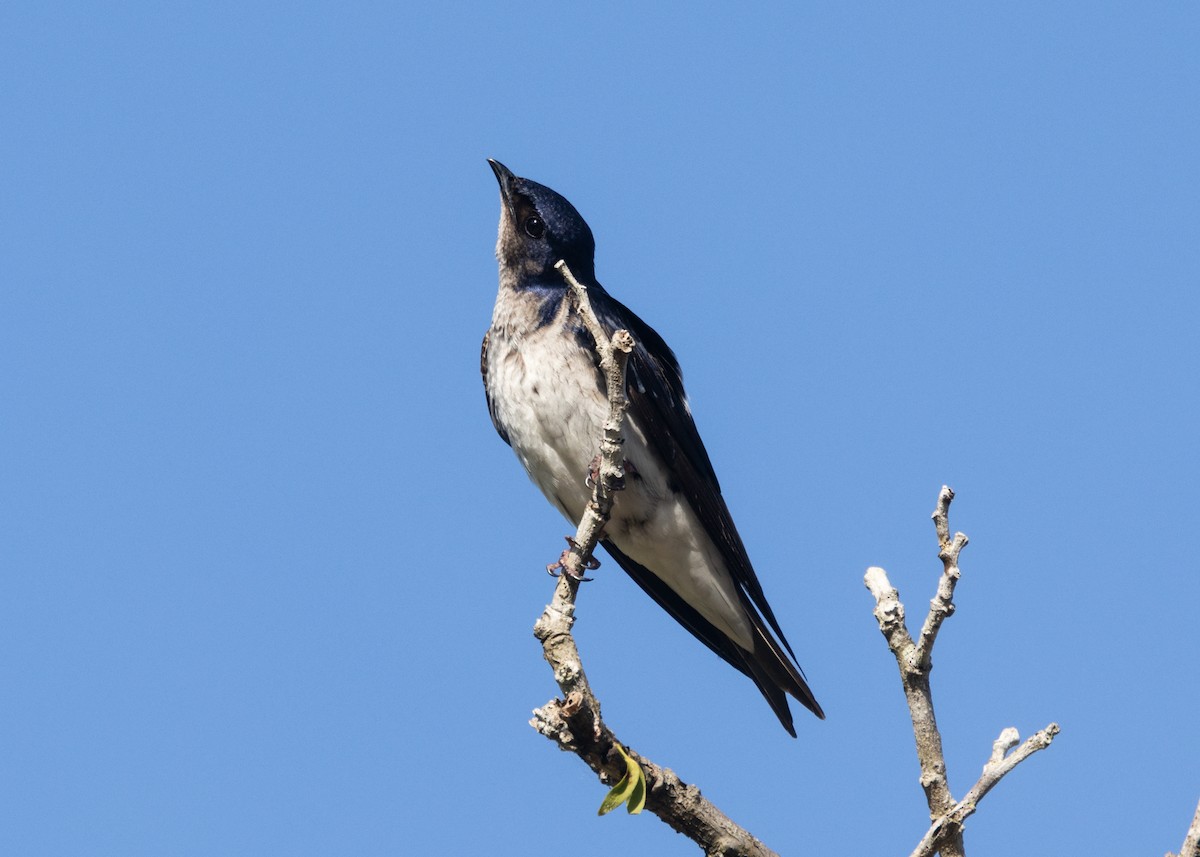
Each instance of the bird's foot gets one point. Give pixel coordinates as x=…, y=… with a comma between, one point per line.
x=562, y=563
x=593, y=472
x=627, y=469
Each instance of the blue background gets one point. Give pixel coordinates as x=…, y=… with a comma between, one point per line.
x=269, y=575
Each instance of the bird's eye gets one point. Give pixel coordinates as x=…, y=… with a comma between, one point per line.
x=534, y=227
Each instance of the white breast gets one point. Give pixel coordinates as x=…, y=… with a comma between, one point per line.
x=544, y=390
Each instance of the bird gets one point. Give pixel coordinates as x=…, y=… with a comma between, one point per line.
x=670, y=528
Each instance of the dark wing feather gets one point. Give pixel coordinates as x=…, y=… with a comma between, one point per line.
x=658, y=404
x=483, y=355
x=683, y=613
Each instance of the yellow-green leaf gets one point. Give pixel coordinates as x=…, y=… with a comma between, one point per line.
x=616, y=796
x=637, y=795
x=629, y=790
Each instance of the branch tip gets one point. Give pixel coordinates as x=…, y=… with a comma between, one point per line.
x=1008, y=739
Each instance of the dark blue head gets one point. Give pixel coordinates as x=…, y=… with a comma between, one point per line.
x=537, y=228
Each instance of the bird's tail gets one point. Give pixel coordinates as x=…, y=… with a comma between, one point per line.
x=768, y=666
x=777, y=675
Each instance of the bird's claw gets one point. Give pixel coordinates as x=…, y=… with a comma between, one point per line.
x=593, y=472
x=618, y=484
x=553, y=569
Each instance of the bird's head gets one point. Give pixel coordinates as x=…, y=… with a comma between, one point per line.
x=537, y=228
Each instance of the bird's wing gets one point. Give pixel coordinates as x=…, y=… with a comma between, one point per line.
x=483, y=369
x=658, y=403
x=763, y=666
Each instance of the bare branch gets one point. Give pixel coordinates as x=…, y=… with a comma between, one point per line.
x=993, y=771
x=574, y=722
x=614, y=356
x=1191, y=842
x=1000, y=764
x=942, y=604
x=914, y=677
x=575, y=725
x=915, y=660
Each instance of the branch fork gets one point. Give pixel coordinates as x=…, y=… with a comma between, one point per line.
x=915, y=662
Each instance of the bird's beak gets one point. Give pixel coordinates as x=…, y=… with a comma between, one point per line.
x=506, y=179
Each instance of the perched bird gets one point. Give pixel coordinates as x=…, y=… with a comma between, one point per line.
x=670, y=528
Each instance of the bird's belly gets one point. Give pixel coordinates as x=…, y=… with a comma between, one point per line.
x=661, y=533
x=656, y=528
x=548, y=399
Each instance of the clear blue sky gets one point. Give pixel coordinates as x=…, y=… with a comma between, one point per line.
x=269, y=576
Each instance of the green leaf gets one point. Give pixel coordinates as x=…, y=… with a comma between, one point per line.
x=629, y=790
x=637, y=795
x=616, y=796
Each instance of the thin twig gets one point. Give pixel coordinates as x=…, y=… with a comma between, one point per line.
x=574, y=722
x=942, y=604
x=614, y=357
x=993, y=771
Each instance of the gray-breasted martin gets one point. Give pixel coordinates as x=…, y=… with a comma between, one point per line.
x=670, y=528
